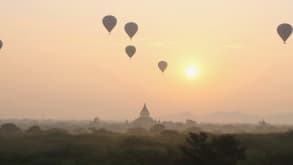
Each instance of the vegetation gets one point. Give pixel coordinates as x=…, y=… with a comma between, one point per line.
x=202, y=150
x=35, y=146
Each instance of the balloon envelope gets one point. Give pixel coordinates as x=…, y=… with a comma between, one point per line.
x=130, y=51
x=109, y=22
x=131, y=28
x=284, y=31
x=163, y=65
x=1, y=44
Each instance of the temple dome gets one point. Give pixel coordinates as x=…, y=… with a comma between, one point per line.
x=144, y=120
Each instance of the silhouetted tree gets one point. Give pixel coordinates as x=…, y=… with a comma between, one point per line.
x=34, y=130
x=9, y=128
x=200, y=149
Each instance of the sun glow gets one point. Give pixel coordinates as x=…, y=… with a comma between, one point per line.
x=191, y=72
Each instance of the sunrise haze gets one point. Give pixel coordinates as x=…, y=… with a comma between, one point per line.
x=58, y=61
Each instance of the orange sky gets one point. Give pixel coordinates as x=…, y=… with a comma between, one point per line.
x=58, y=61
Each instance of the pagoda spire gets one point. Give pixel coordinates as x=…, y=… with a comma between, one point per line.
x=145, y=112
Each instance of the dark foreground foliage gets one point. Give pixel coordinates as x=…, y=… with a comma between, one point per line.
x=56, y=147
x=201, y=149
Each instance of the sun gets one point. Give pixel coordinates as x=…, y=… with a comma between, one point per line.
x=191, y=72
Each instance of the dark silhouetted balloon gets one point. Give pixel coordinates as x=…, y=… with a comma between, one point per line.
x=131, y=28
x=1, y=44
x=109, y=22
x=130, y=51
x=285, y=30
x=163, y=65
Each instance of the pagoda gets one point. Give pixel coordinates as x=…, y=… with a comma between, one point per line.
x=144, y=120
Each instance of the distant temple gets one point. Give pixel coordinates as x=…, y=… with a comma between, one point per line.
x=144, y=120
x=263, y=123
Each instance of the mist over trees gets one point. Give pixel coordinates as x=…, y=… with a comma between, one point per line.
x=156, y=146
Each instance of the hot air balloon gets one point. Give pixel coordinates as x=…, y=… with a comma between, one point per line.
x=131, y=28
x=163, y=66
x=109, y=22
x=285, y=30
x=1, y=44
x=130, y=51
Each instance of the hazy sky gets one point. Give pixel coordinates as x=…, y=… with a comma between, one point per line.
x=58, y=61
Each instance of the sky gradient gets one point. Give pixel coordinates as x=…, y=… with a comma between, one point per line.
x=58, y=61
